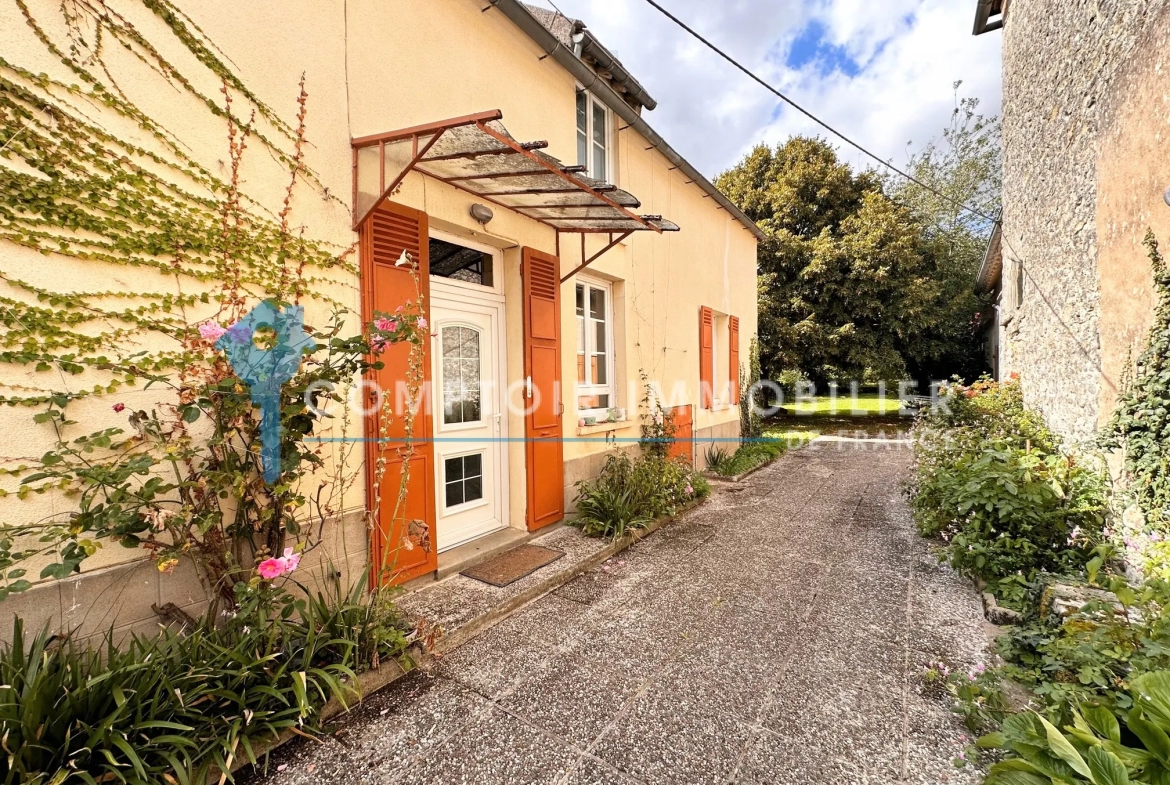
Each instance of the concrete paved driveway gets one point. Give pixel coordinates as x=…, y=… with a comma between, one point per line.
x=774, y=635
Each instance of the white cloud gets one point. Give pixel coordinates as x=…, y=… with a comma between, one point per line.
x=909, y=53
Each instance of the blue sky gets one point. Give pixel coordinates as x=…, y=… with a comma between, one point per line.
x=880, y=71
x=812, y=49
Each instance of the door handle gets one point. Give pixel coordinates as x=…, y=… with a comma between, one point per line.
x=528, y=387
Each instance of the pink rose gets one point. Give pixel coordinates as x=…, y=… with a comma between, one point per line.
x=211, y=331
x=384, y=324
x=270, y=568
x=119, y=407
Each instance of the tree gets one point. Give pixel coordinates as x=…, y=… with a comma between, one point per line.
x=868, y=276
x=965, y=167
x=842, y=278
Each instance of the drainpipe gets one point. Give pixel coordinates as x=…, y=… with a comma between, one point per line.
x=596, y=85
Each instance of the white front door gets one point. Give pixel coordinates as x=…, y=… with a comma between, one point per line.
x=469, y=422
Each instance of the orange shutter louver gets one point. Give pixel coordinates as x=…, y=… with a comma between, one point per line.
x=544, y=449
x=706, y=360
x=733, y=357
x=402, y=545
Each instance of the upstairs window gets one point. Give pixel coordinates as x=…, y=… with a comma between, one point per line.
x=593, y=136
x=594, y=347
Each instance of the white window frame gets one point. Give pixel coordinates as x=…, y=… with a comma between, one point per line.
x=591, y=100
x=720, y=345
x=586, y=388
x=482, y=501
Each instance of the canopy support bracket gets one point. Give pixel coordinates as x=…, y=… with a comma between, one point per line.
x=612, y=242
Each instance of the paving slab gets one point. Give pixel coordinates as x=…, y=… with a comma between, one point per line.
x=777, y=634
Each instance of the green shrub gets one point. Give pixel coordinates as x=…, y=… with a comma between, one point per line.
x=176, y=708
x=718, y=459
x=746, y=458
x=630, y=493
x=991, y=481
x=1092, y=655
x=1094, y=747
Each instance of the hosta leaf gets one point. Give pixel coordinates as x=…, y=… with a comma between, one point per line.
x=1106, y=768
x=1103, y=721
x=1063, y=748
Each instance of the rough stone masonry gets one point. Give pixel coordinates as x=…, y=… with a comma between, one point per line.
x=1086, y=124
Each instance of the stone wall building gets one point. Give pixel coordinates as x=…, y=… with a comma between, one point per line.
x=1086, y=134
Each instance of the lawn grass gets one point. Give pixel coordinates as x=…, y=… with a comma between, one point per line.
x=845, y=405
x=823, y=416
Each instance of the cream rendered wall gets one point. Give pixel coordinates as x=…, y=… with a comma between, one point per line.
x=377, y=65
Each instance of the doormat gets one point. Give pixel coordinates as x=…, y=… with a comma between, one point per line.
x=513, y=565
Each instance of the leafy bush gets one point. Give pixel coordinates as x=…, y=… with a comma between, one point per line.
x=991, y=480
x=976, y=695
x=1095, y=653
x=630, y=493
x=746, y=458
x=176, y=708
x=1094, y=748
x=718, y=459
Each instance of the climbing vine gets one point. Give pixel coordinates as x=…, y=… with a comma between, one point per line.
x=1141, y=422
x=104, y=191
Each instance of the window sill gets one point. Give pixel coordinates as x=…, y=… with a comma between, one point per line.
x=604, y=427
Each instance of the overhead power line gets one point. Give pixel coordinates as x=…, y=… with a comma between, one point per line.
x=857, y=145
x=760, y=81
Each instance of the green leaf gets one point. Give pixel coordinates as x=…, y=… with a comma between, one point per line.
x=1152, y=692
x=1063, y=748
x=1153, y=738
x=1103, y=721
x=191, y=414
x=1106, y=768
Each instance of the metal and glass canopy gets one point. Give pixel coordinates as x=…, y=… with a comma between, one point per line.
x=476, y=154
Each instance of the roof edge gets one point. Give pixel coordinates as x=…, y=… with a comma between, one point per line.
x=991, y=269
x=522, y=18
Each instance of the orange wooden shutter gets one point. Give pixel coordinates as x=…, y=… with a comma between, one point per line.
x=733, y=357
x=706, y=363
x=684, y=434
x=402, y=543
x=544, y=450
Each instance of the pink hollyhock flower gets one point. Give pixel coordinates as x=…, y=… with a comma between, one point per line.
x=211, y=331
x=379, y=346
x=118, y=407
x=393, y=327
x=291, y=560
x=270, y=568
x=384, y=324
x=422, y=323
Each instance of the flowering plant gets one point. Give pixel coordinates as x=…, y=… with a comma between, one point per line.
x=162, y=486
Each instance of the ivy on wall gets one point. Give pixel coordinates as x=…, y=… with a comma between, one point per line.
x=1141, y=422
x=197, y=248
x=72, y=188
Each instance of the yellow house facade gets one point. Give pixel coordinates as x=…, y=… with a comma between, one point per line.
x=507, y=152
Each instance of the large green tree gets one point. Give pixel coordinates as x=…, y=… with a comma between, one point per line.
x=963, y=169
x=841, y=273
x=864, y=277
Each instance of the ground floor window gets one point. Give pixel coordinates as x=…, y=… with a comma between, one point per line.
x=595, y=387
x=463, y=479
